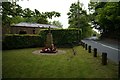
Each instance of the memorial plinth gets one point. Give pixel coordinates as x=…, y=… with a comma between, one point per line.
x=49, y=46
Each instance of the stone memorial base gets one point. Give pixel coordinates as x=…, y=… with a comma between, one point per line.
x=49, y=46
x=38, y=52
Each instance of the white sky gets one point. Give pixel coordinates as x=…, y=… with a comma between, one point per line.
x=61, y=6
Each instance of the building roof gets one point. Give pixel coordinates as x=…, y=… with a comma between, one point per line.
x=35, y=25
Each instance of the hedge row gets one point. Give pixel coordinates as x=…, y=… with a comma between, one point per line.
x=63, y=37
x=21, y=41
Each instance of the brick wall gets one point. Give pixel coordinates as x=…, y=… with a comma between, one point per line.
x=29, y=30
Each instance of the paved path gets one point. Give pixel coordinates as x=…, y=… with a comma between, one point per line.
x=112, y=50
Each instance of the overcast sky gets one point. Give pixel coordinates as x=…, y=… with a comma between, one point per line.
x=61, y=6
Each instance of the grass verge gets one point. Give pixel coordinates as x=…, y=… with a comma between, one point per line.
x=22, y=63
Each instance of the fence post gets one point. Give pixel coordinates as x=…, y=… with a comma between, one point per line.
x=119, y=70
x=104, y=58
x=89, y=49
x=85, y=46
x=95, y=52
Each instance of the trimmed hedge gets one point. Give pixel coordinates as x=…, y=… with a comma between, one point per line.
x=63, y=37
x=21, y=41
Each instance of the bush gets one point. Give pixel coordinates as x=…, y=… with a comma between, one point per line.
x=22, y=41
x=63, y=37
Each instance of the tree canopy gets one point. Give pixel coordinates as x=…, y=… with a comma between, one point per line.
x=12, y=13
x=107, y=16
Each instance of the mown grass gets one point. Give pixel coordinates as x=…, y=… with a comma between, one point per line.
x=22, y=63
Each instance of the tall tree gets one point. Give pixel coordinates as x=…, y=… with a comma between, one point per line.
x=9, y=12
x=52, y=14
x=27, y=13
x=6, y=12
x=78, y=18
x=57, y=23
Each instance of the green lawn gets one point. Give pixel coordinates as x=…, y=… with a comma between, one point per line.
x=22, y=63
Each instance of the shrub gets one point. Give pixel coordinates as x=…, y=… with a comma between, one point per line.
x=63, y=37
x=22, y=41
